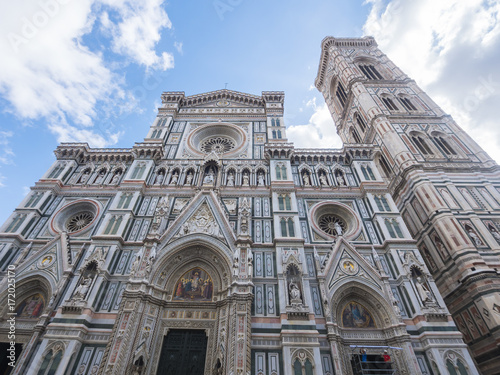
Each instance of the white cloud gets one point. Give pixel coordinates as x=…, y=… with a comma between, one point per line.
x=178, y=47
x=49, y=69
x=6, y=153
x=451, y=48
x=319, y=132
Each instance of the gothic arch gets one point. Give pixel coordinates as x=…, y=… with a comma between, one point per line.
x=364, y=294
x=188, y=252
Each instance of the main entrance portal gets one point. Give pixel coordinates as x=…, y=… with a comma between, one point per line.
x=183, y=353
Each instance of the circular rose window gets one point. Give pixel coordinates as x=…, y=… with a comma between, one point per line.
x=79, y=221
x=222, y=138
x=76, y=217
x=331, y=219
x=220, y=145
x=332, y=225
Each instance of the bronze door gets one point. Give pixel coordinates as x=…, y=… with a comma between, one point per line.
x=183, y=353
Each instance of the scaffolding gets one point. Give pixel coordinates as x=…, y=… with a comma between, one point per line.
x=371, y=363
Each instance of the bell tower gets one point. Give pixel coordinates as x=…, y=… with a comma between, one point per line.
x=446, y=187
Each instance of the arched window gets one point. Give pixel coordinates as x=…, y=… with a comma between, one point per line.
x=281, y=172
x=15, y=224
x=444, y=145
x=56, y=171
x=407, y=104
x=393, y=228
x=281, y=202
x=378, y=203
x=370, y=72
x=421, y=144
x=288, y=205
x=385, y=203
x=389, y=103
x=341, y=94
x=139, y=171
x=279, y=134
x=278, y=122
x=154, y=133
x=355, y=135
x=287, y=229
x=274, y=134
x=385, y=166
x=361, y=123
x=50, y=363
x=273, y=122
x=284, y=202
x=278, y=172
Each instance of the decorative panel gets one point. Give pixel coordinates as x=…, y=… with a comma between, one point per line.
x=270, y=300
x=259, y=264
x=274, y=368
x=310, y=264
x=259, y=299
x=269, y=265
x=268, y=231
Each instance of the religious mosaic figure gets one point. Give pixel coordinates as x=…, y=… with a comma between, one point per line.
x=356, y=315
x=31, y=307
x=194, y=285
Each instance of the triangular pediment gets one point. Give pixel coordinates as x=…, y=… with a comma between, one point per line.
x=223, y=99
x=346, y=264
x=204, y=214
x=48, y=261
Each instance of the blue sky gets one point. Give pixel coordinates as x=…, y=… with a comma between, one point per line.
x=93, y=70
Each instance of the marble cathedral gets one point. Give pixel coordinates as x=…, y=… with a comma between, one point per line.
x=214, y=246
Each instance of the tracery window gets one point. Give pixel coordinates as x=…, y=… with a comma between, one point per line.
x=113, y=224
x=421, y=145
x=139, y=171
x=287, y=229
x=367, y=172
x=389, y=103
x=124, y=200
x=341, y=94
x=284, y=202
x=444, y=145
x=407, y=103
x=15, y=224
x=281, y=172
x=393, y=228
x=370, y=71
x=382, y=203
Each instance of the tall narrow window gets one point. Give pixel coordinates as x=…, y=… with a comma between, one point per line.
x=378, y=203
x=385, y=166
x=370, y=72
x=422, y=145
x=355, y=136
x=283, y=227
x=291, y=230
x=397, y=228
x=274, y=134
x=278, y=172
x=361, y=123
x=389, y=104
x=111, y=222
x=281, y=202
x=445, y=146
x=385, y=203
x=370, y=172
x=273, y=122
x=365, y=173
x=117, y=225
x=390, y=229
x=407, y=104
x=288, y=204
x=56, y=171
x=341, y=94
x=16, y=223
x=279, y=134
x=278, y=122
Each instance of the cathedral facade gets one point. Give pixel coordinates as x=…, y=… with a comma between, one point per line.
x=214, y=246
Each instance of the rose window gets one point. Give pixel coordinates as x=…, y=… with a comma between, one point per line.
x=79, y=221
x=332, y=225
x=219, y=145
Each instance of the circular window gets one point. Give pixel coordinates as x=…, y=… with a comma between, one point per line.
x=332, y=219
x=79, y=221
x=332, y=225
x=76, y=217
x=221, y=138
x=219, y=145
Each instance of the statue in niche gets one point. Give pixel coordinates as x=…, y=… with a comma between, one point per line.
x=100, y=177
x=424, y=293
x=116, y=177
x=494, y=232
x=295, y=294
x=250, y=263
x=189, y=178
x=306, y=179
x=246, y=179
x=260, y=179
x=429, y=259
x=323, y=180
x=82, y=289
x=209, y=177
x=159, y=177
x=473, y=235
x=230, y=179
x=440, y=247
x=236, y=266
x=340, y=179
x=175, y=178
x=85, y=176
